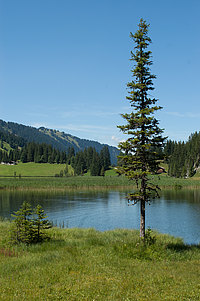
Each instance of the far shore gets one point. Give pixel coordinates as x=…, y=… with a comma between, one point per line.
x=91, y=183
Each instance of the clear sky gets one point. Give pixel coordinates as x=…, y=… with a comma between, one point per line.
x=65, y=64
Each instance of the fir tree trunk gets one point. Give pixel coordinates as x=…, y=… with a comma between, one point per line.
x=142, y=207
x=142, y=219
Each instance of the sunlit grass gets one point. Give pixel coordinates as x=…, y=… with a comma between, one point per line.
x=84, y=264
x=31, y=169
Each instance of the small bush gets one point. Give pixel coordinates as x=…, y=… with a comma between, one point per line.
x=149, y=238
x=29, y=225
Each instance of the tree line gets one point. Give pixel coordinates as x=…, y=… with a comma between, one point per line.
x=89, y=160
x=34, y=152
x=81, y=161
x=183, y=158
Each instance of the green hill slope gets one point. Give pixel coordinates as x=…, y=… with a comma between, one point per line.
x=57, y=139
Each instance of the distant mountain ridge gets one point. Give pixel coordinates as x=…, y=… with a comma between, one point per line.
x=57, y=139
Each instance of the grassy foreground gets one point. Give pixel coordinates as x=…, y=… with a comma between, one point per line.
x=80, y=264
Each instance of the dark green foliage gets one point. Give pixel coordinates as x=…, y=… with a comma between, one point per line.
x=79, y=164
x=23, y=225
x=29, y=225
x=88, y=154
x=177, y=160
x=13, y=140
x=41, y=153
x=105, y=158
x=23, y=156
x=140, y=157
x=4, y=156
x=70, y=154
x=95, y=168
x=183, y=157
x=40, y=224
x=89, y=160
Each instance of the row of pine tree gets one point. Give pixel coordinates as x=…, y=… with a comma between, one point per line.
x=183, y=158
x=33, y=152
x=81, y=161
x=89, y=160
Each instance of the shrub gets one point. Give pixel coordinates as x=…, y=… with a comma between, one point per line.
x=29, y=225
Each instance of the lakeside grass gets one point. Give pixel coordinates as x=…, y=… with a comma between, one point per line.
x=77, y=182
x=85, y=264
x=165, y=181
x=42, y=176
x=89, y=182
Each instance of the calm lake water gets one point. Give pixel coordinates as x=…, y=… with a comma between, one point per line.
x=177, y=212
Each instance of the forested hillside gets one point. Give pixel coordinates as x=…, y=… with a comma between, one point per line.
x=12, y=140
x=8, y=144
x=58, y=140
x=183, y=158
x=81, y=161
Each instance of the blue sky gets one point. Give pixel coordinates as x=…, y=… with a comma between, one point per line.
x=65, y=64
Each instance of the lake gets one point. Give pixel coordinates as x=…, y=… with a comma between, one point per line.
x=177, y=212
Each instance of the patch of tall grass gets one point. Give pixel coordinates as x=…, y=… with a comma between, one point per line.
x=111, y=180
x=63, y=183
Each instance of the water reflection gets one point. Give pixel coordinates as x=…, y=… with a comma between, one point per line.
x=187, y=195
x=177, y=212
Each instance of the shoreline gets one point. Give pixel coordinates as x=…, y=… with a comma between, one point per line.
x=91, y=188
x=91, y=183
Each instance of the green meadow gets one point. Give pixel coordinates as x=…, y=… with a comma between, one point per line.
x=84, y=264
x=31, y=169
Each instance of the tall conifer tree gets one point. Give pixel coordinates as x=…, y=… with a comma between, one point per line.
x=139, y=158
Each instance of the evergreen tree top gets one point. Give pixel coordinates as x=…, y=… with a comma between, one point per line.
x=139, y=155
